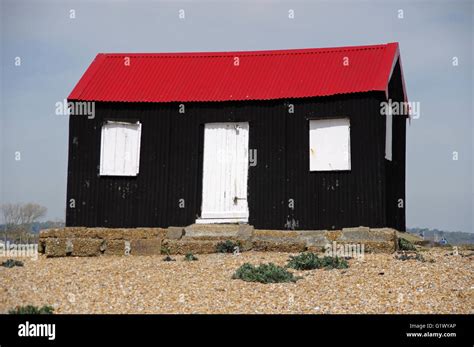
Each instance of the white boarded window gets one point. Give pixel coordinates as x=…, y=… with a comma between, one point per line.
x=388, y=134
x=120, y=149
x=329, y=144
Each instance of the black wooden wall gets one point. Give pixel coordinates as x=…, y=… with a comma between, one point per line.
x=171, y=165
x=395, y=169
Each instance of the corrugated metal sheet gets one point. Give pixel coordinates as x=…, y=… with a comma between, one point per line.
x=260, y=75
x=171, y=166
x=395, y=169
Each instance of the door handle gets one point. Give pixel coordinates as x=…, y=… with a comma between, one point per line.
x=236, y=199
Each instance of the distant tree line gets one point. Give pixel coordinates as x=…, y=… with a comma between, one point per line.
x=452, y=237
x=21, y=221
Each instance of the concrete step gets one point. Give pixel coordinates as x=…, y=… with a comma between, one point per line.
x=218, y=232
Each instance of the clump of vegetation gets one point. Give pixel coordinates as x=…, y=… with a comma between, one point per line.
x=414, y=256
x=9, y=263
x=190, y=257
x=30, y=309
x=265, y=273
x=310, y=261
x=334, y=263
x=165, y=250
x=405, y=245
x=304, y=261
x=227, y=246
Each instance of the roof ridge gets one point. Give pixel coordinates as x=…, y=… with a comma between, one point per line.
x=303, y=51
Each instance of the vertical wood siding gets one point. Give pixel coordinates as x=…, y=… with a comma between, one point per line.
x=171, y=165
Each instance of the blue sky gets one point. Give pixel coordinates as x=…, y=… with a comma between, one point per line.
x=55, y=50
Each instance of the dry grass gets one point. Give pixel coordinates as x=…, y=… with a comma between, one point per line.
x=409, y=237
x=377, y=284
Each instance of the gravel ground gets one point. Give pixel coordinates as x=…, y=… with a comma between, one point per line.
x=377, y=284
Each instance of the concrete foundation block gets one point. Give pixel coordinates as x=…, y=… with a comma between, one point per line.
x=174, y=233
x=203, y=238
x=209, y=233
x=85, y=247
x=145, y=247
x=76, y=247
x=314, y=239
x=278, y=246
x=114, y=247
x=55, y=247
x=189, y=246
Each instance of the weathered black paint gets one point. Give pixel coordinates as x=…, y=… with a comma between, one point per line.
x=171, y=165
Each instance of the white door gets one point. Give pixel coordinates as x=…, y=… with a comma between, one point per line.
x=225, y=172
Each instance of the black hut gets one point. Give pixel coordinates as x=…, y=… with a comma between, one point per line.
x=295, y=139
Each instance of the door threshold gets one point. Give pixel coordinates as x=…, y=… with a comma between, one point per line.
x=222, y=220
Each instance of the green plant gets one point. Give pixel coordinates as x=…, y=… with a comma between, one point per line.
x=405, y=245
x=310, y=261
x=11, y=263
x=265, y=273
x=334, y=263
x=304, y=261
x=165, y=250
x=227, y=246
x=30, y=309
x=190, y=257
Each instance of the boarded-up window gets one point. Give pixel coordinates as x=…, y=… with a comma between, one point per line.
x=329, y=144
x=120, y=149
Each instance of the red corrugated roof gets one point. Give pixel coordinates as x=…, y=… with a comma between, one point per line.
x=260, y=75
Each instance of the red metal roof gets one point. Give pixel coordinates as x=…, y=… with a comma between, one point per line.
x=259, y=75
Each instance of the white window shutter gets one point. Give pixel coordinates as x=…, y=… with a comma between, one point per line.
x=120, y=149
x=329, y=144
x=388, y=134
